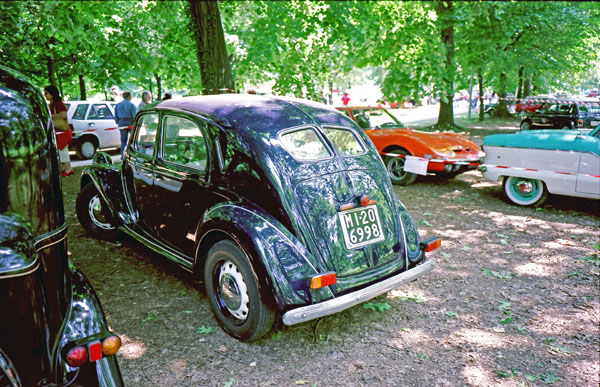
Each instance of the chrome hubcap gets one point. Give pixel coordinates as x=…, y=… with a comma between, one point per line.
x=95, y=211
x=524, y=187
x=233, y=290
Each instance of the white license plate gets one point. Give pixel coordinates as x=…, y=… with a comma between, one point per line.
x=361, y=226
x=594, y=123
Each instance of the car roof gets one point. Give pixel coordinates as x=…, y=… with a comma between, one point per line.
x=257, y=112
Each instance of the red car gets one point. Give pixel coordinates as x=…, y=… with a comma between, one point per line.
x=448, y=153
x=522, y=108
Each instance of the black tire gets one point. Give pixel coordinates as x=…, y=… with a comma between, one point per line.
x=232, y=289
x=566, y=126
x=395, y=168
x=525, y=192
x=93, y=215
x=86, y=148
x=525, y=125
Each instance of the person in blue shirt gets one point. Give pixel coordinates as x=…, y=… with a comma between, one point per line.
x=124, y=114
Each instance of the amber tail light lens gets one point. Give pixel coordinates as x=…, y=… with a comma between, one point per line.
x=111, y=345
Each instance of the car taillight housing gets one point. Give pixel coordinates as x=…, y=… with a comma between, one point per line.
x=91, y=349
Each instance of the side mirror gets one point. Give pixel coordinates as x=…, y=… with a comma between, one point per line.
x=101, y=158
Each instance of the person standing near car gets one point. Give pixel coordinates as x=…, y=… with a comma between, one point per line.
x=61, y=127
x=146, y=99
x=124, y=114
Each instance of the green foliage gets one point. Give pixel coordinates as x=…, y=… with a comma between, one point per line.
x=378, y=306
x=204, y=330
x=149, y=317
x=497, y=274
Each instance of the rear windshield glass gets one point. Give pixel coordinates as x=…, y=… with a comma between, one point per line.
x=305, y=145
x=345, y=141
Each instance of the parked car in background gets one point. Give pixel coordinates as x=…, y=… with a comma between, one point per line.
x=281, y=205
x=524, y=107
x=533, y=163
x=591, y=117
x=94, y=126
x=443, y=150
x=54, y=332
x=556, y=115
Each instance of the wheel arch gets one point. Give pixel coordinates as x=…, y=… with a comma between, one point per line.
x=88, y=137
x=281, y=268
x=107, y=181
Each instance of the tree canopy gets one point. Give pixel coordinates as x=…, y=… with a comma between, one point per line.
x=306, y=48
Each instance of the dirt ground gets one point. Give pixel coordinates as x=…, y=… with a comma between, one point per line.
x=513, y=301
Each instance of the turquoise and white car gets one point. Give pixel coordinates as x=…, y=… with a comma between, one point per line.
x=534, y=163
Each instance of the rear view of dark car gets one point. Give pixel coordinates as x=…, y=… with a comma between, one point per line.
x=53, y=330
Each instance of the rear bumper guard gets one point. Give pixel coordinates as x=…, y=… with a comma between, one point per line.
x=325, y=308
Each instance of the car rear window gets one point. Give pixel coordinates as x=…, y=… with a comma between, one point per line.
x=100, y=111
x=305, y=145
x=345, y=141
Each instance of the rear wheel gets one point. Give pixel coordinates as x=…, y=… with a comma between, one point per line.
x=395, y=168
x=91, y=214
x=86, y=148
x=525, y=192
x=525, y=125
x=233, y=293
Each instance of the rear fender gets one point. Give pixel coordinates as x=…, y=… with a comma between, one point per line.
x=281, y=263
x=107, y=180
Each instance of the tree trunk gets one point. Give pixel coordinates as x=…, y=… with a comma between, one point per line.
x=480, y=86
x=50, y=67
x=501, y=110
x=527, y=88
x=215, y=69
x=82, y=93
x=158, y=87
x=445, y=15
x=520, y=89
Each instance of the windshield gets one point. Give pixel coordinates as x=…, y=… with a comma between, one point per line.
x=375, y=119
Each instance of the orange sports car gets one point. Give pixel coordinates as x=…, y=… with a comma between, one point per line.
x=390, y=137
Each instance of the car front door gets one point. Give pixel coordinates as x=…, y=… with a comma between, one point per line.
x=181, y=190
x=545, y=116
x=588, y=178
x=138, y=172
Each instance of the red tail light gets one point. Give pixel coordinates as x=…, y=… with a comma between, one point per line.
x=92, y=351
x=322, y=280
x=433, y=244
x=77, y=356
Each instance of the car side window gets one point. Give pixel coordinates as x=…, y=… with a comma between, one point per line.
x=184, y=142
x=100, y=111
x=145, y=134
x=80, y=111
x=345, y=141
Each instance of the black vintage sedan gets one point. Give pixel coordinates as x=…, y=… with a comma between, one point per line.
x=281, y=205
x=53, y=330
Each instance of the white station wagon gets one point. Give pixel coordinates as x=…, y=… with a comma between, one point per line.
x=94, y=126
x=534, y=163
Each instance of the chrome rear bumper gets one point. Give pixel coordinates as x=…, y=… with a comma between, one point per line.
x=325, y=308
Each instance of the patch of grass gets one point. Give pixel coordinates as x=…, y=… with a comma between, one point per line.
x=451, y=314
